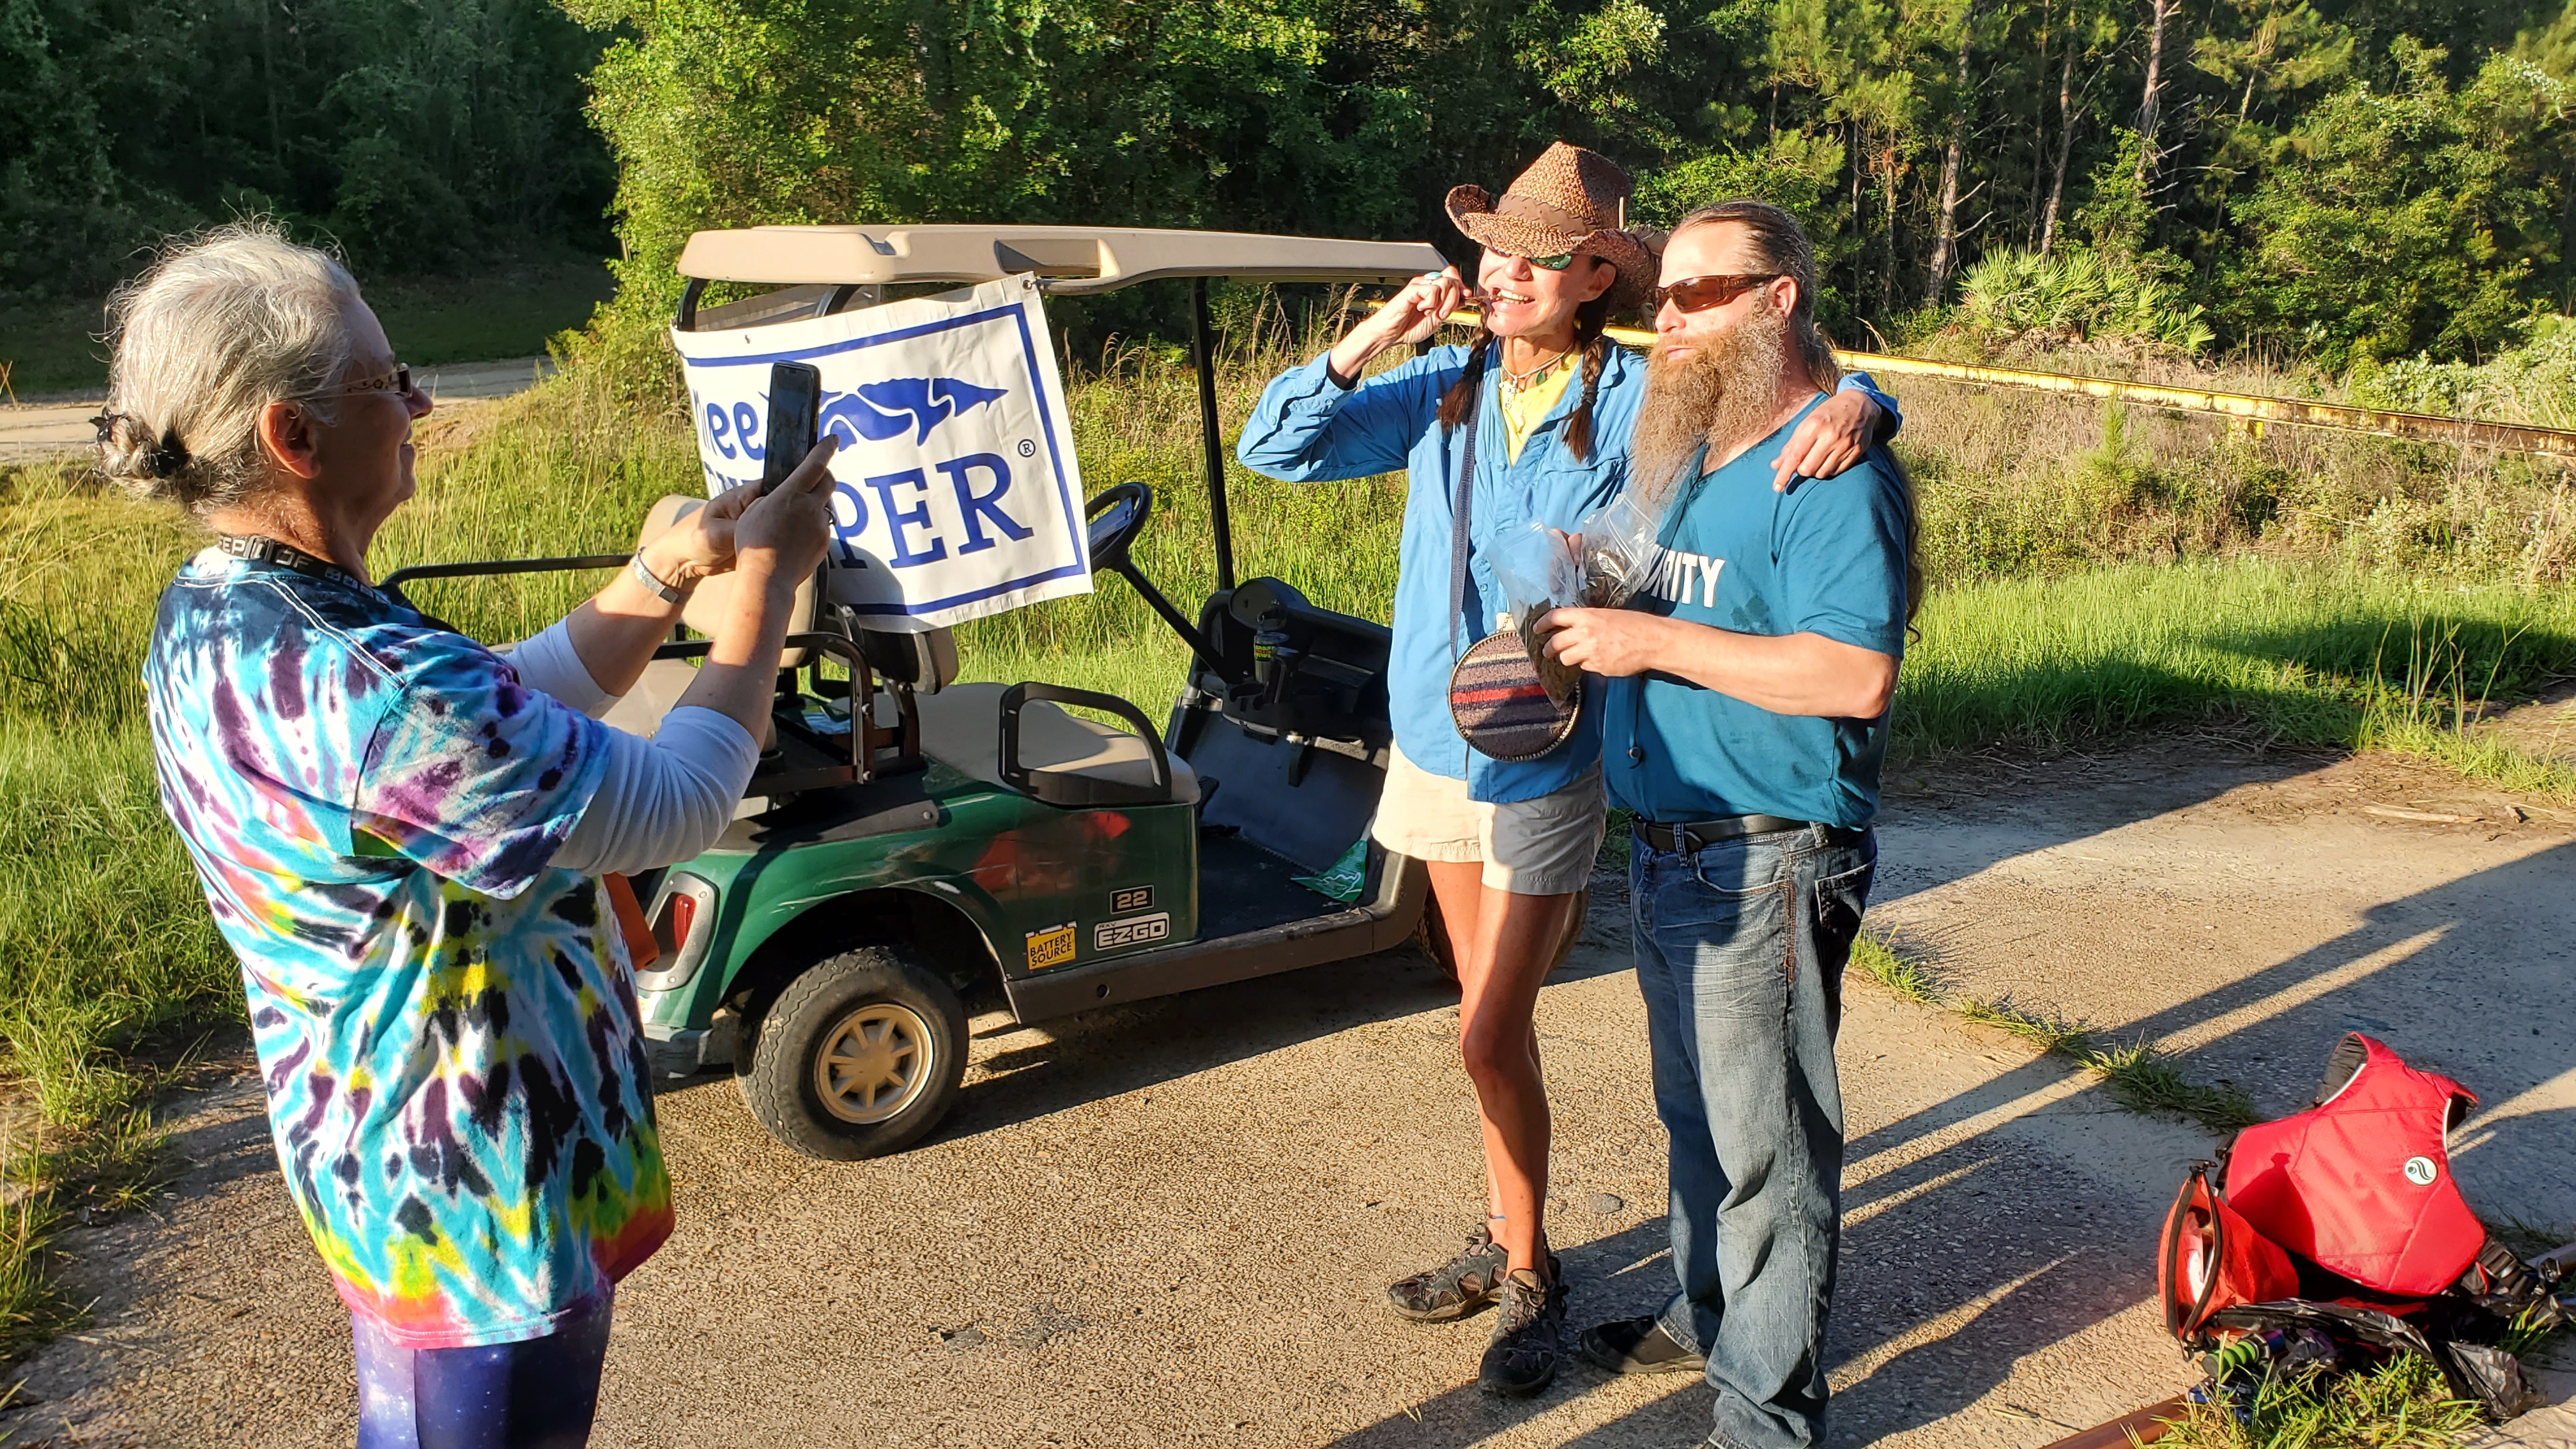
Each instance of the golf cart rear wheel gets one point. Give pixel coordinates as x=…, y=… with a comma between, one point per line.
x=858, y=1057
x=1431, y=933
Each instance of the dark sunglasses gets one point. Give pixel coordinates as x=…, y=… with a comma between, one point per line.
x=1698, y=294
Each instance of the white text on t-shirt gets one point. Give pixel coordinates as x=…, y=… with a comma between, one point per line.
x=1675, y=575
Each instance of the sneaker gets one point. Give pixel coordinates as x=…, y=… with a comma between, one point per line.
x=1529, y=1336
x=1638, y=1346
x=1457, y=1287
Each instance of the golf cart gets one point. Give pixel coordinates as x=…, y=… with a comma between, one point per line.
x=908, y=839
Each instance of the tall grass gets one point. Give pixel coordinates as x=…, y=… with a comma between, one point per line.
x=2016, y=483
x=2306, y=653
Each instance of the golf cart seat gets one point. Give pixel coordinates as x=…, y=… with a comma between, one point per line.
x=961, y=727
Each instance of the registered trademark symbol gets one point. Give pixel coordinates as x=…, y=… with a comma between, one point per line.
x=1028, y=449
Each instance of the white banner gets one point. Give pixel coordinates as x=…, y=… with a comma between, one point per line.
x=955, y=494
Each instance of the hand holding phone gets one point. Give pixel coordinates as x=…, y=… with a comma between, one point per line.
x=795, y=414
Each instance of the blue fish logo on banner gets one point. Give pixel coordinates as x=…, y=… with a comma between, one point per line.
x=881, y=410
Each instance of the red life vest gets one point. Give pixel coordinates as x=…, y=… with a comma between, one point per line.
x=2360, y=1183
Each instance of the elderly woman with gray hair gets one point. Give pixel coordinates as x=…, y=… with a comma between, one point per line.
x=401, y=832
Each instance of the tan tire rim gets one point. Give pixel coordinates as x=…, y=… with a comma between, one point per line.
x=874, y=1063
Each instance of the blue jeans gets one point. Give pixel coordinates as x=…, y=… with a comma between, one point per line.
x=539, y=1393
x=1740, y=955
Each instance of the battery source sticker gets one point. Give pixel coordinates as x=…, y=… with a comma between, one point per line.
x=1134, y=931
x=1131, y=898
x=1050, y=947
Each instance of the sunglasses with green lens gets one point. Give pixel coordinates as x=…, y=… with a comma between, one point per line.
x=1554, y=264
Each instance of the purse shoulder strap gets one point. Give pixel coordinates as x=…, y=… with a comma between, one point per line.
x=1461, y=508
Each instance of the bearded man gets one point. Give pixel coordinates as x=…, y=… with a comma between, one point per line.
x=1745, y=723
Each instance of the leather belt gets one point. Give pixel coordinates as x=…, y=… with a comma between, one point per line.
x=1688, y=837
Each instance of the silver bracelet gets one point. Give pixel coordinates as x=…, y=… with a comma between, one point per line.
x=667, y=593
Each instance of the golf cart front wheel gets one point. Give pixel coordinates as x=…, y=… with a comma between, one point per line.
x=858, y=1057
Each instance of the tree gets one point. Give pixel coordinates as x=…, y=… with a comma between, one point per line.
x=415, y=135
x=2406, y=222
x=1961, y=104
x=2162, y=16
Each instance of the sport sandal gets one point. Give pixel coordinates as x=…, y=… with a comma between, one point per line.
x=1529, y=1336
x=1638, y=1346
x=1457, y=1287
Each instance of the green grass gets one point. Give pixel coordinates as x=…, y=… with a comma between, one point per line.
x=2402, y=1404
x=103, y=937
x=441, y=320
x=2296, y=652
x=1888, y=964
x=2135, y=1073
x=52, y=348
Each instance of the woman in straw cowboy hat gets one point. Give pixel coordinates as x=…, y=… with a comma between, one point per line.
x=1543, y=405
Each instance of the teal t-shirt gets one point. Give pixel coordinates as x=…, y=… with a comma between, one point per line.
x=1827, y=557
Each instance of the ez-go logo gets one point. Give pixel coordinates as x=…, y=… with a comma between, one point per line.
x=1134, y=931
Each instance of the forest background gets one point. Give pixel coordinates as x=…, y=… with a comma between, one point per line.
x=2327, y=184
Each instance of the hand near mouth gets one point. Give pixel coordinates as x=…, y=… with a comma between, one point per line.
x=1413, y=315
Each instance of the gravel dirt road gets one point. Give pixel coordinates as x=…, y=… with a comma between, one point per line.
x=58, y=426
x=1169, y=1224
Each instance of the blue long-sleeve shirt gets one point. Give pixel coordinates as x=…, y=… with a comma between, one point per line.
x=1310, y=429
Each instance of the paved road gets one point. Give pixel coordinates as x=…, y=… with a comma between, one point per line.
x=51, y=429
x=1168, y=1224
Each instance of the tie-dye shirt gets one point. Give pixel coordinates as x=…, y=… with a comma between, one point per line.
x=447, y=1024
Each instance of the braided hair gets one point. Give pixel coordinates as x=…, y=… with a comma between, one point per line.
x=1458, y=404
x=1591, y=322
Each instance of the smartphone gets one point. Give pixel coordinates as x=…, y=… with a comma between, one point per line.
x=795, y=408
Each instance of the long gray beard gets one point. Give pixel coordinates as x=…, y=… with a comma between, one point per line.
x=1719, y=398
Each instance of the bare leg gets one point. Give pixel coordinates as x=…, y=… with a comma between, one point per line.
x=1459, y=888
x=1515, y=942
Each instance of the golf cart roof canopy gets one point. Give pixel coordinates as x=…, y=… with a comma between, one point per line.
x=1071, y=259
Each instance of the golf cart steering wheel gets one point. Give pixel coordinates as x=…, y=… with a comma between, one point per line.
x=1117, y=517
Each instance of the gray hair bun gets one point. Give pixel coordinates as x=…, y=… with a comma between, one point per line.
x=221, y=326
x=128, y=450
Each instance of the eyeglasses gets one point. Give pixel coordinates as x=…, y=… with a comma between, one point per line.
x=1556, y=263
x=1698, y=294
x=397, y=382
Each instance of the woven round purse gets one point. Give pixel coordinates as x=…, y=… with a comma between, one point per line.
x=1499, y=705
x=1495, y=697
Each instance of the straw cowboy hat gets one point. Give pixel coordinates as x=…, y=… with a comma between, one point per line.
x=1569, y=200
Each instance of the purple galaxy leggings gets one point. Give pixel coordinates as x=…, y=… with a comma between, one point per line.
x=536, y=1394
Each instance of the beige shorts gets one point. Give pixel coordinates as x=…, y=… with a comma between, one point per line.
x=1541, y=847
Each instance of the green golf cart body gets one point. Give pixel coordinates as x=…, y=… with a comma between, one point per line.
x=910, y=841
